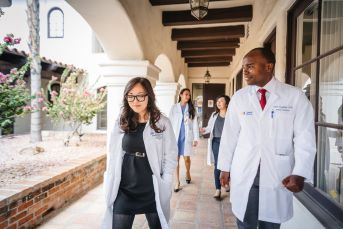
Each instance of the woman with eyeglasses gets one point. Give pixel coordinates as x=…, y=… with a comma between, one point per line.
x=215, y=128
x=184, y=120
x=141, y=160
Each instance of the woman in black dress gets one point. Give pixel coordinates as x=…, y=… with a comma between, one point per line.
x=138, y=178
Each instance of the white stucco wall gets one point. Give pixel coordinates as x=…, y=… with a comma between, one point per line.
x=76, y=46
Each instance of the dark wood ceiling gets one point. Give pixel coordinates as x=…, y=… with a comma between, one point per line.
x=172, y=2
x=224, y=15
x=210, y=45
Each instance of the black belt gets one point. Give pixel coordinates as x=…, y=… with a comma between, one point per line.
x=136, y=154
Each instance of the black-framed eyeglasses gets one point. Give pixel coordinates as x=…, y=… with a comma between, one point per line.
x=131, y=98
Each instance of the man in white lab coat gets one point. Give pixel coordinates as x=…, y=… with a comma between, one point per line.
x=268, y=145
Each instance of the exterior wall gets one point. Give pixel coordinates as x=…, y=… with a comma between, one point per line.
x=40, y=200
x=76, y=46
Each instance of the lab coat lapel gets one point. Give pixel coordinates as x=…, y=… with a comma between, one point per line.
x=273, y=96
x=271, y=100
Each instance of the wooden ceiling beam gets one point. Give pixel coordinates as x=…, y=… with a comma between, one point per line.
x=208, y=53
x=173, y=2
x=207, y=33
x=221, y=15
x=196, y=45
x=215, y=64
x=208, y=59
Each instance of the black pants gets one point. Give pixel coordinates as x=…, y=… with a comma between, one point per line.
x=216, y=172
x=121, y=221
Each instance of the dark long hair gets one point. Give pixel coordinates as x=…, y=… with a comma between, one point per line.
x=191, y=109
x=129, y=118
x=227, y=100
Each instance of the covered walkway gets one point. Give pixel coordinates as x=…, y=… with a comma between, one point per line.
x=192, y=207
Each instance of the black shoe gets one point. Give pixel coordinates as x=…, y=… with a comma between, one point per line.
x=177, y=188
x=188, y=180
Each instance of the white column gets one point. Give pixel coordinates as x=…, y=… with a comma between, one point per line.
x=114, y=75
x=166, y=95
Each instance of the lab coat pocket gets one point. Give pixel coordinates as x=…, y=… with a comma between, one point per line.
x=283, y=166
x=284, y=125
x=282, y=132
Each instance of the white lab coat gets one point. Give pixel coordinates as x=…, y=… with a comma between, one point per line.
x=281, y=138
x=209, y=129
x=191, y=127
x=161, y=150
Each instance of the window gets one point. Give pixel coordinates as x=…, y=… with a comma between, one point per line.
x=315, y=64
x=55, y=23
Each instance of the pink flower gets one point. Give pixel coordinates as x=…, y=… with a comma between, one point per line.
x=8, y=40
x=27, y=108
x=17, y=40
x=102, y=89
x=44, y=109
x=86, y=94
x=40, y=100
x=14, y=71
x=54, y=93
x=3, y=78
x=61, y=113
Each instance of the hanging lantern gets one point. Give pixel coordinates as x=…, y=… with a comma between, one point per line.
x=207, y=77
x=199, y=8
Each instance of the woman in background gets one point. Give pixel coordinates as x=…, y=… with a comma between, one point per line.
x=185, y=124
x=215, y=128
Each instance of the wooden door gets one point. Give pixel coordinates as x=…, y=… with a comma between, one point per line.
x=210, y=93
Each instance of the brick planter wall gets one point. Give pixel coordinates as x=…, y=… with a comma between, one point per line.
x=30, y=202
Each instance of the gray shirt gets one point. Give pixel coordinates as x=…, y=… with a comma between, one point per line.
x=218, y=127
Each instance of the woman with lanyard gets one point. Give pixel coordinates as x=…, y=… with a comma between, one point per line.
x=185, y=124
x=141, y=160
x=215, y=128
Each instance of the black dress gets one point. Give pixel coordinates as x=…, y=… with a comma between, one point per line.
x=136, y=191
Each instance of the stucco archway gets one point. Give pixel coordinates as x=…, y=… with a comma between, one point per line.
x=167, y=73
x=120, y=42
x=182, y=81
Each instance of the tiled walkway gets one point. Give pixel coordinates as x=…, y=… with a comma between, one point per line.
x=192, y=207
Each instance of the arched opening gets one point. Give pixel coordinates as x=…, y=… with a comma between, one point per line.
x=167, y=73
